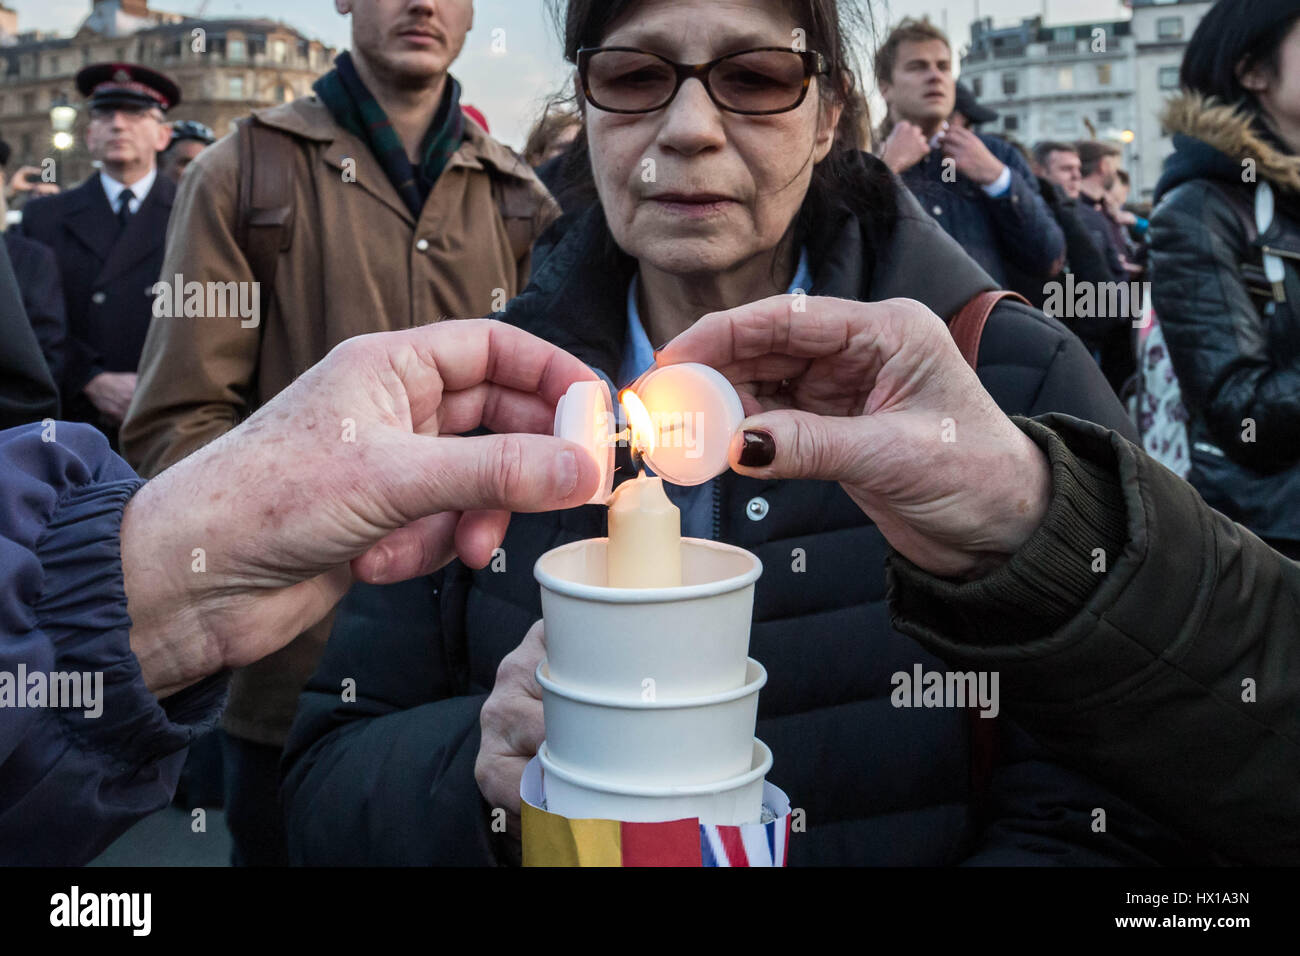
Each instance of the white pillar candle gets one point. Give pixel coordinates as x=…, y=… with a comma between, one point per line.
x=645, y=537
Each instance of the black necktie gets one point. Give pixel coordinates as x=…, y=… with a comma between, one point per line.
x=124, y=210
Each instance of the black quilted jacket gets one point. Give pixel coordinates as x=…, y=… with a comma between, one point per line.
x=389, y=778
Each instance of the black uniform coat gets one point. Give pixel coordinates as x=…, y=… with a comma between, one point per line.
x=108, y=278
x=37, y=272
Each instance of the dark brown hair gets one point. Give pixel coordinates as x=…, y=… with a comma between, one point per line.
x=841, y=178
x=1092, y=152
x=1043, y=151
x=555, y=119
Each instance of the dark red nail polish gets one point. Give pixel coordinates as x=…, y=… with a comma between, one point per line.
x=759, y=449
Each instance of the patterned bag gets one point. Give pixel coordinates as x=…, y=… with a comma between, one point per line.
x=1160, y=414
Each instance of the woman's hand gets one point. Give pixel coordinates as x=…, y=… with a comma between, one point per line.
x=356, y=468
x=512, y=727
x=877, y=397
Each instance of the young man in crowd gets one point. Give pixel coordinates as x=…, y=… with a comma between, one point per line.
x=391, y=211
x=977, y=187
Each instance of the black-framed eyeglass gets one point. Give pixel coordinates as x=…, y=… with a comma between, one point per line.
x=757, y=82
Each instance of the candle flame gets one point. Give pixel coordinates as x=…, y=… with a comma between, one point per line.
x=639, y=422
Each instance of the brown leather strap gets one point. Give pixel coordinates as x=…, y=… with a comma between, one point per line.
x=967, y=326
x=518, y=206
x=265, y=226
x=967, y=329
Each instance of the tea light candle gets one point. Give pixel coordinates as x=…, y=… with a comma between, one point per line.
x=681, y=420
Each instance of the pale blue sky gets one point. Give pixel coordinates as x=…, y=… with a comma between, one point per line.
x=510, y=87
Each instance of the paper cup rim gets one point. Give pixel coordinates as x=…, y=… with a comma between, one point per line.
x=687, y=592
x=752, y=685
x=764, y=764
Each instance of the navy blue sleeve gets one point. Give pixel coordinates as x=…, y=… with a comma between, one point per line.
x=1027, y=231
x=85, y=748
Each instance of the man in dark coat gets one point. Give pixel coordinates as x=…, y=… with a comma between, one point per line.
x=977, y=187
x=38, y=280
x=27, y=391
x=107, y=235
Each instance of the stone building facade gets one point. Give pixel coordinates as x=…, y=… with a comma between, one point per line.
x=225, y=68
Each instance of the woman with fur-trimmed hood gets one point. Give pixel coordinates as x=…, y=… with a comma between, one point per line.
x=1225, y=261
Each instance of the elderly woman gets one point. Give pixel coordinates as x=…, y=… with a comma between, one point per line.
x=717, y=166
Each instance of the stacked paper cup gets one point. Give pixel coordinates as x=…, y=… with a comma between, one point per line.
x=649, y=695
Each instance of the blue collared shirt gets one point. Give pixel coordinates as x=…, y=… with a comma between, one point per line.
x=696, y=501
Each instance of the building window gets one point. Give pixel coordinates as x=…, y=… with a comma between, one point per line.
x=1168, y=77
x=977, y=86
x=27, y=145
x=234, y=49
x=1065, y=78
x=1169, y=28
x=29, y=103
x=236, y=87
x=1011, y=123
x=1010, y=86
x=1063, y=35
x=279, y=51
x=54, y=64
x=1103, y=74
x=1065, y=121
x=1105, y=117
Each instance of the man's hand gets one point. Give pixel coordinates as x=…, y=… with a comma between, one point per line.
x=877, y=397
x=28, y=180
x=512, y=727
x=355, y=468
x=905, y=147
x=111, y=393
x=974, y=161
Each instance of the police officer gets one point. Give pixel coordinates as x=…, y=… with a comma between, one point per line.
x=108, y=236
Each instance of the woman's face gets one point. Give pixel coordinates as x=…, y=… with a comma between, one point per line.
x=1279, y=92
x=691, y=188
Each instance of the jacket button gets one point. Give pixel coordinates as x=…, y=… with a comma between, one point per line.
x=423, y=245
x=99, y=298
x=757, y=509
x=938, y=210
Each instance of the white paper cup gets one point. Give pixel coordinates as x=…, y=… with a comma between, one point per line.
x=652, y=743
x=728, y=803
x=690, y=641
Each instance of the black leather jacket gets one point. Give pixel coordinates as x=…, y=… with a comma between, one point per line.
x=1233, y=338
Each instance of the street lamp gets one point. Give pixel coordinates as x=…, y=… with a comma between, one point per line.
x=62, y=119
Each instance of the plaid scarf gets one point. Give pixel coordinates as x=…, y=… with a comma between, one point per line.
x=357, y=111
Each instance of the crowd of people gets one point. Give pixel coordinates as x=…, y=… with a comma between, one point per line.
x=380, y=205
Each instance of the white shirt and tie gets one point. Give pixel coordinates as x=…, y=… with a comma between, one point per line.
x=139, y=191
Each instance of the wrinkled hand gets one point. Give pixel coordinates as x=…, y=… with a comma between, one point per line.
x=111, y=393
x=973, y=158
x=355, y=468
x=877, y=397
x=512, y=727
x=905, y=147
